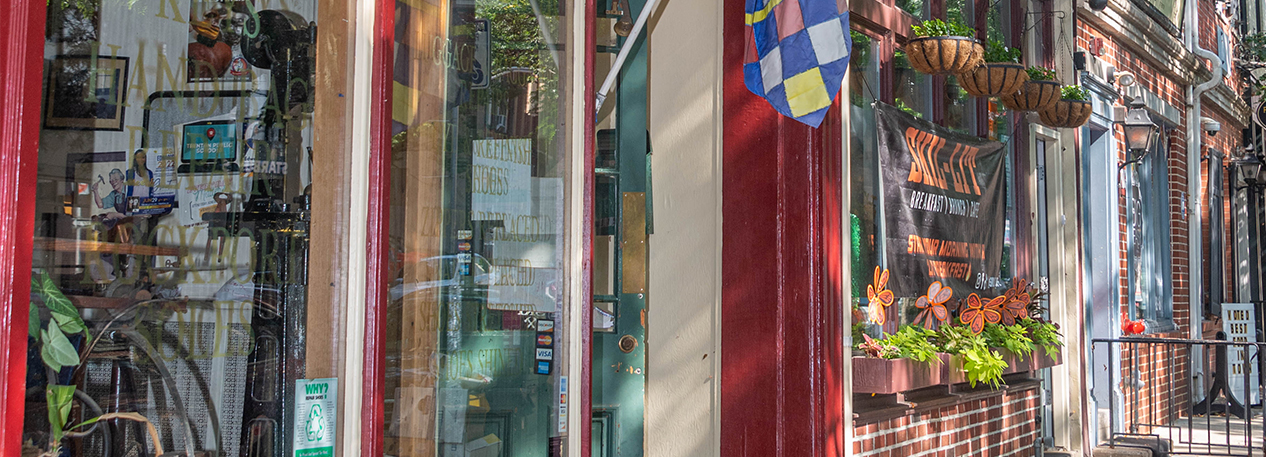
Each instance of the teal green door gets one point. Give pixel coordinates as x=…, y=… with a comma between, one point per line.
x=621, y=247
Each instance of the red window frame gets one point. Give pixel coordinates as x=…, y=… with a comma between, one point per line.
x=21, y=74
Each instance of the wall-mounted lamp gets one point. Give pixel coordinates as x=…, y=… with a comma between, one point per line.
x=1250, y=166
x=1140, y=132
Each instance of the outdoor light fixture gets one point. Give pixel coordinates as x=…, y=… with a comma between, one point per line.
x=1250, y=167
x=1140, y=132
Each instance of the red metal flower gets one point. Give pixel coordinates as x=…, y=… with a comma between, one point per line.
x=933, y=304
x=978, y=313
x=880, y=297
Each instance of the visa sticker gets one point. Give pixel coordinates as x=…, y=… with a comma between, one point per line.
x=544, y=354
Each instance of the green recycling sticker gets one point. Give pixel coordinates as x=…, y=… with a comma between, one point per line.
x=315, y=408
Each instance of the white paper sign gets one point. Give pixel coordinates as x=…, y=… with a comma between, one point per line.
x=316, y=416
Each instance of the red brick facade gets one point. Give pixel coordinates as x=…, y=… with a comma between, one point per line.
x=996, y=423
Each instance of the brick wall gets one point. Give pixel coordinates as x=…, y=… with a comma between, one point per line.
x=984, y=422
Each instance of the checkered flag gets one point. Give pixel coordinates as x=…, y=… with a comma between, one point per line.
x=797, y=54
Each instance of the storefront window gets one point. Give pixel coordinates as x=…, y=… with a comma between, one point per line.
x=864, y=220
x=178, y=229
x=480, y=153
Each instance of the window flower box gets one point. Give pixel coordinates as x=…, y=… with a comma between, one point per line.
x=1041, y=360
x=890, y=376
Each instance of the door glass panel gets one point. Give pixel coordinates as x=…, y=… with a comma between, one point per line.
x=179, y=216
x=479, y=166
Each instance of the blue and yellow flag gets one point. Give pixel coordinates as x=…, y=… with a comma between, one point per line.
x=797, y=55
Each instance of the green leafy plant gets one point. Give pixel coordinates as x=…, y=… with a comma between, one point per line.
x=1013, y=338
x=1041, y=74
x=937, y=27
x=984, y=366
x=914, y=342
x=1074, y=93
x=1044, y=335
x=56, y=349
x=980, y=363
x=1252, y=47
x=997, y=52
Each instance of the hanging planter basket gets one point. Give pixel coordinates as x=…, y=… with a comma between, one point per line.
x=1065, y=113
x=943, y=55
x=993, y=79
x=1033, y=96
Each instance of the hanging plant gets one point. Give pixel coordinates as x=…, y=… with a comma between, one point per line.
x=1072, y=110
x=1036, y=94
x=942, y=48
x=1001, y=74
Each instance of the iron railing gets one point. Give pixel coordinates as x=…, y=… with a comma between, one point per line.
x=1158, y=391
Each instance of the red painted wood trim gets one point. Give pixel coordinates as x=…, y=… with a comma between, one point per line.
x=781, y=310
x=586, y=245
x=21, y=72
x=371, y=411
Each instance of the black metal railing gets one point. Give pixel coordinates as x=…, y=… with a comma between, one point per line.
x=1156, y=385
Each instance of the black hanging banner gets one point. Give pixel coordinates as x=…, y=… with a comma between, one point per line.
x=944, y=205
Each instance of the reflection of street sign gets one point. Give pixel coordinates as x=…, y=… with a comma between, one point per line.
x=482, y=65
x=1259, y=115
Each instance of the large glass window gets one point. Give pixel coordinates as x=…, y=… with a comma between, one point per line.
x=938, y=99
x=181, y=218
x=480, y=153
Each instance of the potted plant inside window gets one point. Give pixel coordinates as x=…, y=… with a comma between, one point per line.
x=1041, y=91
x=1001, y=74
x=942, y=48
x=64, y=360
x=1072, y=110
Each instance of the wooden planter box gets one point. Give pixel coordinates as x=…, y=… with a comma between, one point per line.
x=993, y=79
x=1033, y=96
x=890, y=376
x=943, y=55
x=1065, y=113
x=1041, y=360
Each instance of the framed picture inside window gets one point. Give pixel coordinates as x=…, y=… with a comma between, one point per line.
x=86, y=93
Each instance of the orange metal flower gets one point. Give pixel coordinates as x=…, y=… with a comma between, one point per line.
x=1016, y=305
x=880, y=297
x=933, y=304
x=978, y=313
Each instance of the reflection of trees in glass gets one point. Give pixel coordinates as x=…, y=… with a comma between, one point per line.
x=518, y=43
x=914, y=7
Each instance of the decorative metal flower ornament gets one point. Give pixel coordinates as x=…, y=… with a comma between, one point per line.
x=1016, y=305
x=880, y=297
x=933, y=304
x=978, y=313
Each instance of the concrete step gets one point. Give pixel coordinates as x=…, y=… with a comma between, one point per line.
x=1134, y=447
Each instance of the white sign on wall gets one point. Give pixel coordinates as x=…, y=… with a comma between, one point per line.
x=1238, y=322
